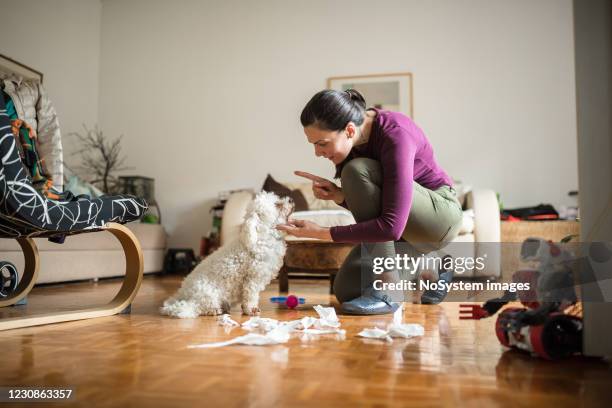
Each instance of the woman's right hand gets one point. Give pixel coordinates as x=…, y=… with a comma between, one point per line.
x=322, y=188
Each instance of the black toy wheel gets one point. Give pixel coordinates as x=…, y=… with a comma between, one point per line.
x=8, y=279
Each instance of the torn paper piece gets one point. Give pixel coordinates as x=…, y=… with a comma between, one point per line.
x=307, y=322
x=327, y=318
x=274, y=332
x=260, y=323
x=276, y=336
x=375, y=333
x=309, y=335
x=406, y=331
x=314, y=326
x=227, y=321
x=294, y=325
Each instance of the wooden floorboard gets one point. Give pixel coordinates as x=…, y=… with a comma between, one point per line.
x=142, y=359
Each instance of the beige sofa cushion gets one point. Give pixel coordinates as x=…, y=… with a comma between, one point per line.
x=150, y=236
x=90, y=255
x=326, y=218
x=467, y=223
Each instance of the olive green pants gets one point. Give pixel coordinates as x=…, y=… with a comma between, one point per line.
x=434, y=220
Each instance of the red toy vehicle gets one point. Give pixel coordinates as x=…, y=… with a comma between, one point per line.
x=550, y=325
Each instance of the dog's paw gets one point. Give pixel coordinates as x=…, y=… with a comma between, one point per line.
x=213, y=312
x=250, y=310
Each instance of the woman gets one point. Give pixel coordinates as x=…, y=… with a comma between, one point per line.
x=392, y=185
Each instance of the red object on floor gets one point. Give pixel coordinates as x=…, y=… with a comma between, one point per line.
x=292, y=301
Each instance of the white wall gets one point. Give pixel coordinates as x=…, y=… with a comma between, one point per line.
x=490, y=77
x=60, y=38
x=208, y=93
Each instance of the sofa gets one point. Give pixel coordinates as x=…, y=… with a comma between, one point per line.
x=89, y=256
x=478, y=237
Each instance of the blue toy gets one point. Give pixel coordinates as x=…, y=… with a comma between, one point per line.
x=290, y=301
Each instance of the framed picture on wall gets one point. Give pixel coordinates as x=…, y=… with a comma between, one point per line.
x=10, y=66
x=385, y=91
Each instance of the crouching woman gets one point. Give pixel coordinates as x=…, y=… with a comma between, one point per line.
x=392, y=185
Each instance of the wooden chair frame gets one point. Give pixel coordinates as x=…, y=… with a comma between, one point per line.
x=134, y=267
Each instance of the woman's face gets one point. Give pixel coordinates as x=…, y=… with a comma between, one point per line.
x=334, y=145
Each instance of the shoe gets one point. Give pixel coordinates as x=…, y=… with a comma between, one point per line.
x=433, y=297
x=370, y=303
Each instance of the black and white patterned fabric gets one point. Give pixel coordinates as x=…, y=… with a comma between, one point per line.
x=25, y=212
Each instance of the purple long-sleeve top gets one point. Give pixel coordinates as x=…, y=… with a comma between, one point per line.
x=405, y=156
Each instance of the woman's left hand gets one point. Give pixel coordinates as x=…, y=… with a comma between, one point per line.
x=305, y=229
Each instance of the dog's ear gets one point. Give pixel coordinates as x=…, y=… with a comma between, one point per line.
x=248, y=234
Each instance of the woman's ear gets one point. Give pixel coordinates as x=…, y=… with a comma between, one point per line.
x=351, y=130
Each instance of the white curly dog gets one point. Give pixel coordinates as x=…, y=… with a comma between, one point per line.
x=238, y=271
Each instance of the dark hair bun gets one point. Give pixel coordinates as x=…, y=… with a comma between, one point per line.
x=332, y=109
x=356, y=97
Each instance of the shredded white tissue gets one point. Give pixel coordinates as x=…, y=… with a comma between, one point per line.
x=276, y=336
x=375, y=333
x=307, y=321
x=397, y=329
x=227, y=321
x=406, y=331
x=307, y=336
x=260, y=323
x=327, y=317
x=266, y=331
x=327, y=323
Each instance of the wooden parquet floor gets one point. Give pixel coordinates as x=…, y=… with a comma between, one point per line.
x=142, y=359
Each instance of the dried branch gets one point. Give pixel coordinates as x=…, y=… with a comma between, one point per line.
x=100, y=158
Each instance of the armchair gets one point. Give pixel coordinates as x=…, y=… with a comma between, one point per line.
x=25, y=213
